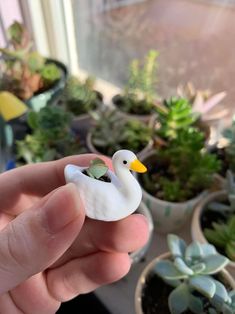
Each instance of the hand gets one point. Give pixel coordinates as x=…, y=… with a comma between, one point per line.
x=49, y=252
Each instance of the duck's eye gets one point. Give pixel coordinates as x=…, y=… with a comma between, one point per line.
x=125, y=162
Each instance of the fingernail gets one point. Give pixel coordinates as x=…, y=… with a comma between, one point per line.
x=60, y=209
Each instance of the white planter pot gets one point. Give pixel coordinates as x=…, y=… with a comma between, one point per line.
x=196, y=230
x=137, y=256
x=148, y=269
x=169, y=216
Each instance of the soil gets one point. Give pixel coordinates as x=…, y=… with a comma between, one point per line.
x=104, y=178
x=155, y=296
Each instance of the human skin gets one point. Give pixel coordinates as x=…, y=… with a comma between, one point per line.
x=49, y=251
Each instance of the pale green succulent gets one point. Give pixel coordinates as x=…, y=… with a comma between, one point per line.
x=190, y=272
x=97, y=168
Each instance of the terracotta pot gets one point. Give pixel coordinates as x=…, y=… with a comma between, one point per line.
x=196, y=230
x=169, y=216
x=94, y=150
x=116, y=101
x=138, y=255
x=147, y=270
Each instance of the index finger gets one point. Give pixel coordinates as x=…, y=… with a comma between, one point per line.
x=38, y=179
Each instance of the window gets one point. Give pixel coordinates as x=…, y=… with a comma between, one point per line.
x=195, y=39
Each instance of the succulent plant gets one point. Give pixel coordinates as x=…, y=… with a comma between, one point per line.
x=140, y=92
x=51, y=137
x=182, y=169
x=24, y=71
x=130, y=134
x=97, y=168
x=189, y=272
x=174, y=115
x=79, y=97
x=203, y=101
x=222, y=235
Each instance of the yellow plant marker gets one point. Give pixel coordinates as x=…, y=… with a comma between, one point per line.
x=10, y=106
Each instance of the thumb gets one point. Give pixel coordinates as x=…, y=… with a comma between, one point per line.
x=39, y=236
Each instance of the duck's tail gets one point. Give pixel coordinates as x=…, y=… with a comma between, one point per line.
x=70, y=172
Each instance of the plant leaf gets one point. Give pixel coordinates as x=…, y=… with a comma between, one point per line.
x=167, y=270
x=203, y=284
x=178, y=300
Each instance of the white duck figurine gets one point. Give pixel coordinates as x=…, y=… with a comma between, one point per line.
x=109, y=201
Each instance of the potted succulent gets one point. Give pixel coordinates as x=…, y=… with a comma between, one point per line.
x=188, y=279
x=174, y=115
x=80, y=98
x=214, y=220
x=139, y=96
x=178, y=176
x=25, y=73
x=111, y=132
x=51, y=137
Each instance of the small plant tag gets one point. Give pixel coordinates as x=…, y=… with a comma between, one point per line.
x=97, y=168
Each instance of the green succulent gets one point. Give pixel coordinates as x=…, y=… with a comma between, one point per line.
x=140, y=92
x=174, y=115
x=189, y=272
x=129, y=134
x=51, y=137
x=222, y=235
x=79, y=98
x=182, y=169
x=97, y=168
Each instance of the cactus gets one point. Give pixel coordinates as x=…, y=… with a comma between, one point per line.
x=140, y=92
x=190, y=272
x=78, y=97
x=131, y=134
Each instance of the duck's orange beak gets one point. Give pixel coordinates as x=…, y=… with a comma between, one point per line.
x=137, y=166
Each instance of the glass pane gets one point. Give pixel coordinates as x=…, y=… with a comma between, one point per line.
x=196, y=41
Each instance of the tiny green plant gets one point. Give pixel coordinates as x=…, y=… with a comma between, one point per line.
x=222, y=235
x=140, y=92
x=79, y=97
x=97, y=168
x=190, y=271
x=25, y=71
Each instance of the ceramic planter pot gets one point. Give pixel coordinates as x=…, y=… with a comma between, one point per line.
x=82, y=123
x=228, y=279
x=117, y=100
x=40, y=100
x=196, y=229
x=138, y=255
x=94, y=150
x=169, y=216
